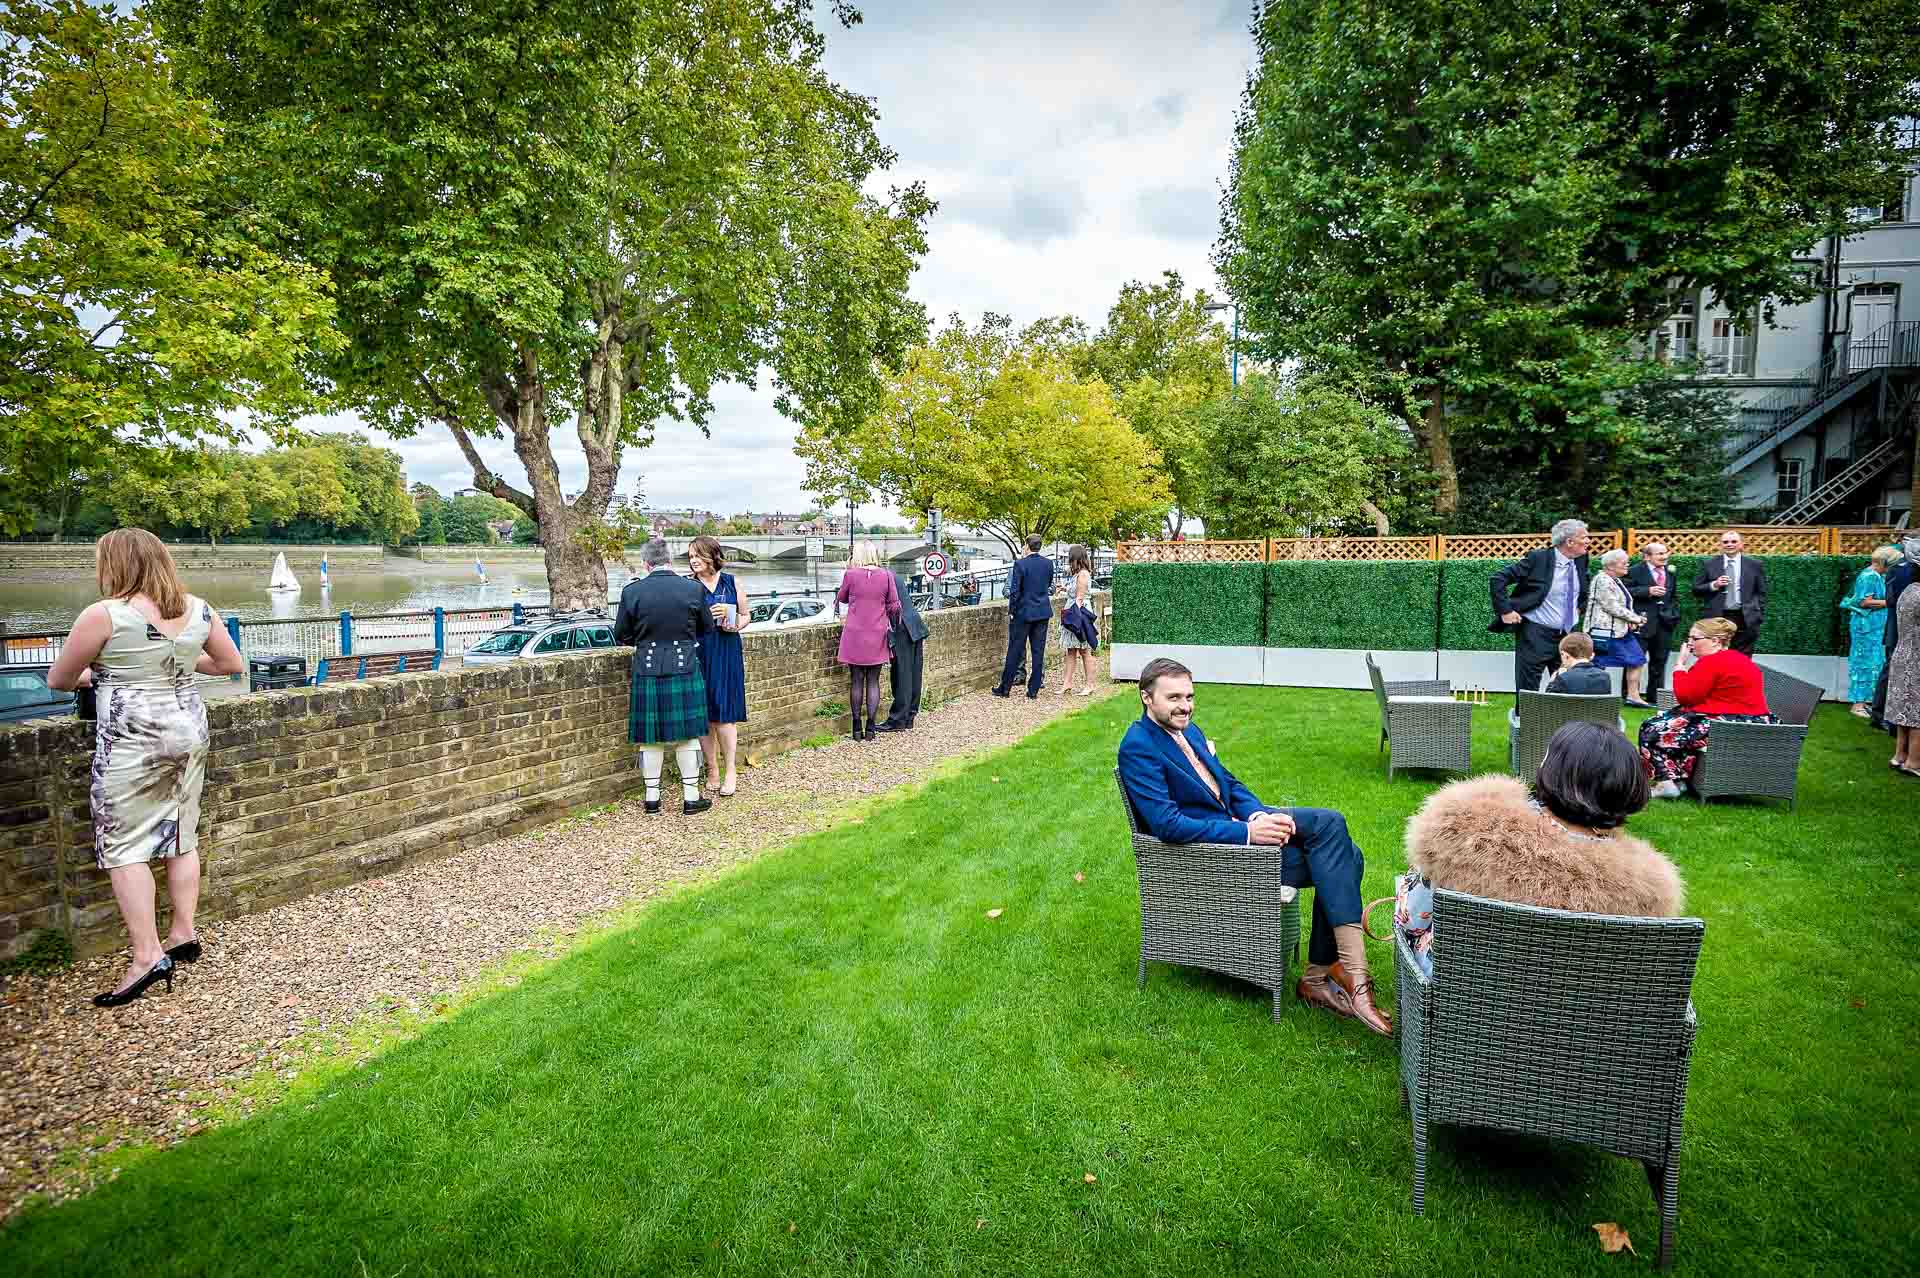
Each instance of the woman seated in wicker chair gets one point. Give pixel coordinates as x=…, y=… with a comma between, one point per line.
x=1712, y=681
x=1559, y=845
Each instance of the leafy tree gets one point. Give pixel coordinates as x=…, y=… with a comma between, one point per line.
x=464, y=519
x=1294, y=458
x=1493, y=202
x=206, y=493
x=592, y=213
x=740, y=526
x=1174, y=417
x=525, y=531
x=433, y=527
x=1003, y=439
x=1158, y=331
x=138, y=312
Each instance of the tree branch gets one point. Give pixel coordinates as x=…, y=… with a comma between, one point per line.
x=483, y=477
x=100, y=131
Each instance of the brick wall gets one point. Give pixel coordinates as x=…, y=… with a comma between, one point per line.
x=313, y=788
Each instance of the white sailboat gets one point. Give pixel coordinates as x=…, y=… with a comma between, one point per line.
x=283, y=580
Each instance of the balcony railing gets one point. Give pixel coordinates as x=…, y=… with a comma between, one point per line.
x=1893, y=345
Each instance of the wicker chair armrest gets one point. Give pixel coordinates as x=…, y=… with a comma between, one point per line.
x=1665, y=699
x=1729, y=730
x=1230, y=857
x=1451, y=713
x=1419, y=688
x=1410, y=969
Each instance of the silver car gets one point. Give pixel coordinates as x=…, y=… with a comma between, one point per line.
x=541, y=638
x=783, y=614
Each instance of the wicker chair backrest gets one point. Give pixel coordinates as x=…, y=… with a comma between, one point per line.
x=1544, y=713
x=1574, y=1013
x=1789, y=699
x=1379, y=690
x=1126, y=801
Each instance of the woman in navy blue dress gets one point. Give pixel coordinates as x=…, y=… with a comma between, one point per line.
x=721, y=660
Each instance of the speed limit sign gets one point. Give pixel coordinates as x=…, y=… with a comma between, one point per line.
x=934, y=565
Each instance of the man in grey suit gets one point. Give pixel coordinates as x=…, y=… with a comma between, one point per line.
x=1731, y=585
x=909, y=642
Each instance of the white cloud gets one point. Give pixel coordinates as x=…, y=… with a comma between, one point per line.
x=1072, y=147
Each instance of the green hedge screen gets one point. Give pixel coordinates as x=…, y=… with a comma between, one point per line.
x=1384, y=606
x=1219, y=604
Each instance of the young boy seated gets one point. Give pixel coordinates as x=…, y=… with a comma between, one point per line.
x=1578, y=675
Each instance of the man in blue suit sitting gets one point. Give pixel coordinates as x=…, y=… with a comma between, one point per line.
x=1029, y=607
x=1183, y=794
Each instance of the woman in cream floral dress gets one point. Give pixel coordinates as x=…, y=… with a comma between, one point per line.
x=139, y=647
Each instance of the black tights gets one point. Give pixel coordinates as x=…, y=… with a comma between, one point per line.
x=865, y=691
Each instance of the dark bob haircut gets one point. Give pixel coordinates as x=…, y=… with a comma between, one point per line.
x=1592, y=777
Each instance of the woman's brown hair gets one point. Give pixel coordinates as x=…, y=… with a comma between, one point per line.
x=132, y=561
x=1718, y=629
x=709, y=549
x=1078, y=558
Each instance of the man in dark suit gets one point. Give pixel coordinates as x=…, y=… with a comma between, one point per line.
x=1182, y=793
x=1656, y=598
x=909, y=642
x=1029, y=607
x=1731, y=585
x=1539, y=598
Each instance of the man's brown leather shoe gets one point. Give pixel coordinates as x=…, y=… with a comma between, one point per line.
x=1361, y=1001
x=1328, y=997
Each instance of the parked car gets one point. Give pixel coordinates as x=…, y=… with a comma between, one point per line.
x=779, y=614
x=542, y=637
x=24, y=694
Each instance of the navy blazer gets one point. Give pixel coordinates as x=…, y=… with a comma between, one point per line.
x=1169, y=797
x=1030, y=588
x=910, y=623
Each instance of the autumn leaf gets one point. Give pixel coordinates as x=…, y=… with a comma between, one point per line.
x=1078, y=877
x=980, y=1223
x=996, y=780
x=1090, y=1178
x=793, y=1226
x=1613, y=1238
x=996, y=912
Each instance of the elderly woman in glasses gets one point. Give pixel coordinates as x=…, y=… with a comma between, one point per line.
x=1714, y=680
x=1611, y=622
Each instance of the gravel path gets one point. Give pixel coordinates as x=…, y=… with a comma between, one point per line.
x=154, y=1071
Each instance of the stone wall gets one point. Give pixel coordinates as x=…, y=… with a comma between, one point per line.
x=313, y=788
x=45, y=559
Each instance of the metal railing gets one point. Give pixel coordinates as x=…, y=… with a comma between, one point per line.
x=1893, y=345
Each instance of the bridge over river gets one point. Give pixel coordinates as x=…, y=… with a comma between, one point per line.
x=895, y=549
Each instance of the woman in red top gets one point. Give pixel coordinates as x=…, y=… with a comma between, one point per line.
x=1711, y=682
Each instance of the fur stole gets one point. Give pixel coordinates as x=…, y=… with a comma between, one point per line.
x=1482, y=837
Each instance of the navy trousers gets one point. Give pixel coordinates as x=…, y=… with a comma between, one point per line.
x=1323, y=856
x=1025, y=639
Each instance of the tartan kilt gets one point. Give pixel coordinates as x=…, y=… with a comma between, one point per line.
x=664, y=710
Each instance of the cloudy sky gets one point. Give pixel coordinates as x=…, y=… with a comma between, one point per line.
x=1072, y=146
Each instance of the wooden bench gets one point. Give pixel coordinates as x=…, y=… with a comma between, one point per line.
x=373, y=665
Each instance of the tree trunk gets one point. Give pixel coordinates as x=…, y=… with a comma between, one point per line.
x=1381, y=526
x=576, y=574
x=1431, y=431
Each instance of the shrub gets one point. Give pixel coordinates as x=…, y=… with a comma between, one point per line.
x=1465, y=610
x=1218, y=604
x=1352, y=605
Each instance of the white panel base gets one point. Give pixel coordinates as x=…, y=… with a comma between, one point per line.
x=1341, y=667
x=1827, y=673
x=1210, y=664
x=1490, y=670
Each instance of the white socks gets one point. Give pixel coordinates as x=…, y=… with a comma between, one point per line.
x=686, y=756
x=652, y=759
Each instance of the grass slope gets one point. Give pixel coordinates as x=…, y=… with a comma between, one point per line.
x=833, y=1061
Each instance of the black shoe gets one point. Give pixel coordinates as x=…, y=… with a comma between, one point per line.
x=163, y=970
x=698, y=805
x=856, y=730
x=1033, y=696
x=870, y=730
x=185, y=952
x=891, y=726
x=653, y=807
x=1001, y=692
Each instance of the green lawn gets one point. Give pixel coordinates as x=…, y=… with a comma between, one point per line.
x=833, y=1061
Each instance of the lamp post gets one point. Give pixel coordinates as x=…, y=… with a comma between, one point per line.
x=1234, y=348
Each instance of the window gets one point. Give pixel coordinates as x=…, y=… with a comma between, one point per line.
x=812, y=608
x=1730, y=351
x=503, y=642
x=553, y=642
x=762, y=612
x=598, y=636
x=1792, y=474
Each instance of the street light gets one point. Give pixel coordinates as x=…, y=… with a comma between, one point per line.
x=1234, y=349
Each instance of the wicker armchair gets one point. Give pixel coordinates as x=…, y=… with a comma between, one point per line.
x=1760, y=759
x=1573, y=1026
x=1541, y=714
x=1421, y=726
x=1215, y=906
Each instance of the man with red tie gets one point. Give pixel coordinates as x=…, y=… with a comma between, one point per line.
x=1650, y=582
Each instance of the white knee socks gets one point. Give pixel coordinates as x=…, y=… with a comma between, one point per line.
x=686, y=756
x=652, y=759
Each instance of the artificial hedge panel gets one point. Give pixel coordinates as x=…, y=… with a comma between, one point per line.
x=1466, y=610
x=1219, y=604
x=1384, y=606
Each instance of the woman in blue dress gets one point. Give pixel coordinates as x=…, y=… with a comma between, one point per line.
x=722, y=661
x=1866, y=609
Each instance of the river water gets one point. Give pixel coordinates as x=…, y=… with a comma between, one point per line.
x=405, y=586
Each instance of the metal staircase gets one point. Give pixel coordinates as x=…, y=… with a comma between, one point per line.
x=1847, y=483
x=1852, y=367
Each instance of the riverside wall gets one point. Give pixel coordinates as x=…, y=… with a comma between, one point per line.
x=45, y=559
x=314, y=788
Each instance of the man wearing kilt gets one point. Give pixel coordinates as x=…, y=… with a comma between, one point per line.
x=663, y=616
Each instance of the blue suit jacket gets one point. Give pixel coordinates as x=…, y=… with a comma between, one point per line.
x=1030, y=589
x=1168, y=795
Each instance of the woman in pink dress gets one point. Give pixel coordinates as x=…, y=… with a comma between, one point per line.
x=872, y=605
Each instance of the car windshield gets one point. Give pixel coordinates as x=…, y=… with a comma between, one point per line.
x=764, y=611
x=508, y=641
x=26, y=690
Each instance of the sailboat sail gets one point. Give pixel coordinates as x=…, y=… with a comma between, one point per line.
x=324, y=583
x=283, y=578
x=480, y=569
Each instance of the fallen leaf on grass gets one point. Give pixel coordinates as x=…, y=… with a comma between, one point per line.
x=793, y=1227
x=1090, y=1178
x=1613, y=1238
x=1078, y=877
x=996, y=912
x=996, y=780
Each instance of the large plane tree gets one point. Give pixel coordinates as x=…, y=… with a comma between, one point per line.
x=540, y=217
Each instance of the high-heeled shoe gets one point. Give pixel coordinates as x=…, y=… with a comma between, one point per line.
x=163, y=970
x=185, y=952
